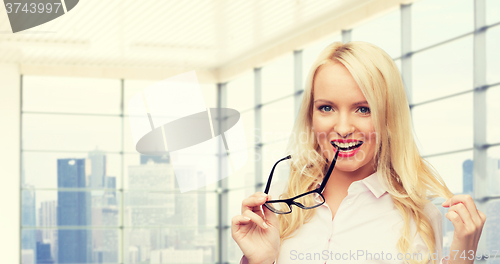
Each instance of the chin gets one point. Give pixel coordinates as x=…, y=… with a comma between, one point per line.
x=352, y=164
x=346, y=166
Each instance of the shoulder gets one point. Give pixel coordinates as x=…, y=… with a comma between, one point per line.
x=436, y=219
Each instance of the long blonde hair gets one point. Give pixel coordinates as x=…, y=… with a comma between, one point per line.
x=411, y=181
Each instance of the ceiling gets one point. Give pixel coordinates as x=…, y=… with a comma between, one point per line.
x=173, y=34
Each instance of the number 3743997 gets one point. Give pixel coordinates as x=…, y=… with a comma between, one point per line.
x=471, y=255
x=33, y=8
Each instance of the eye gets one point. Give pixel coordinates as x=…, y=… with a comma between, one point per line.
x=364, y=110
x=325, y=108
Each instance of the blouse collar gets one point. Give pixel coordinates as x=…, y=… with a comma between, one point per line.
x=372, y=183
x=375, y=185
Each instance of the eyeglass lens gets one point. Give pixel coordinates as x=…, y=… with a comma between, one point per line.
x=306, y=202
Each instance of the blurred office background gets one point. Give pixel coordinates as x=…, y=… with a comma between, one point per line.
x=75, y=190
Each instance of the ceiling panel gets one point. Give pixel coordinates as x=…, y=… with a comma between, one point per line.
x=175, y=34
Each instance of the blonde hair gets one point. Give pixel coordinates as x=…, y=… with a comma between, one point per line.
x=411, y=181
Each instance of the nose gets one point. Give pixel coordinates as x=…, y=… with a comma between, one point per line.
x=343, y=127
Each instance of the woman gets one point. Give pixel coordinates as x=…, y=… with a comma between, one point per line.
x=377, y=197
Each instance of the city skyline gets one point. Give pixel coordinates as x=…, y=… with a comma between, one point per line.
x=81, y=205
x=149, y=197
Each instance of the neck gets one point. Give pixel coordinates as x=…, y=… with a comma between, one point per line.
x=340, y=181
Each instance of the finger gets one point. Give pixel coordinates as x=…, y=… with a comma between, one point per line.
x=471, y=207
x=464, y=214
x=270, y=215
x=482, y=215
x=256, y=219
x=239, y=222
x=446, y=203
x=455, y=219
x=255, y=200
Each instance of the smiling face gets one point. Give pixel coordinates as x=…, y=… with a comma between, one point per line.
x=341, y=115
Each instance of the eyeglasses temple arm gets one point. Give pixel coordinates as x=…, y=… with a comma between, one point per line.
x=332, y=165
x=271, y=175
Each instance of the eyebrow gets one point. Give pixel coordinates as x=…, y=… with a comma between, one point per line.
x=330, y=102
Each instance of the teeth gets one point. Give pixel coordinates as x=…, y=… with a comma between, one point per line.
x=345, y=145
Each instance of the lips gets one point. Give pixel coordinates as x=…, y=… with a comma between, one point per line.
x=348, y=147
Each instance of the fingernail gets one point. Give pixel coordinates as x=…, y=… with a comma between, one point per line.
x=263, y=195
x=247, y=218
x=265, y=225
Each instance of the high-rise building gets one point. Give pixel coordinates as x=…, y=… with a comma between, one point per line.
x=110, y=182
x=97, y=169
x=146, y=207
x=151, y=202
x=492, y=229
x=154, y=200
x=156, y=159
x=29, y=219
x=74, y=245
x=44, y=255
x=28, y=215
x=110, y=196
x=105, y=242
x=468, y=180
x=47, y=217
x=493, y=172
x=27, y=256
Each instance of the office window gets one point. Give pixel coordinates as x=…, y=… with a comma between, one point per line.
x=71, y=95
x=443, y=70
x=491, y=225
x=277, y=79
x=248, y=118
x=86, y=132
x=455, y=169
x=437, y=21
x=41, y=168
x=78, y=151
x=60, y=188
x=492, y=11
x=241, y=92
x=444, y=125
x=493, y=55
x=492, y=116
x=385, y=32
x=493, y=171
x=244, y=177
x=240, y=96
x=277, y=120
x=88, y=196
x=271, y=153
x=169, y=245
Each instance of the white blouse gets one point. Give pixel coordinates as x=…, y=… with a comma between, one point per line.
x=366, y=229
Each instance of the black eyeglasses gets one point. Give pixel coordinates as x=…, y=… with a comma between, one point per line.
x=306, y=200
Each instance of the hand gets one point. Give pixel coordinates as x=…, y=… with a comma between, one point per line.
x=468, y=223
x=256, y=234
